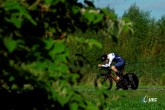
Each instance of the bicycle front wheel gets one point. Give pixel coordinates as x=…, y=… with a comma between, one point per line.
x=103, y=81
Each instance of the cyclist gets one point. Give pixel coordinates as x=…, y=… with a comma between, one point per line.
x=118, y=67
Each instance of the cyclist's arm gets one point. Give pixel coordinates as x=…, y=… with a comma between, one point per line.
x=105, y=65
x=111, y=56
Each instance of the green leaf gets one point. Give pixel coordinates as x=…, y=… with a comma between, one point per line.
x=63, y=100
x=41, y=65
x=49, y=43
x=105, y=11
x=61, y=57
x=63, y=68
x=59, y=47
x=48, y=2
x=14, y=19
x=75, y=9
x=112, y=16
x=28, y=16
x=10, y=44
x=11, y=4
x=14, y=87
x=73, y=106
x=12, y=78
x=99, y=17
x=89, y=16
x=91, y=106
x=46, y=25
x=21, y=11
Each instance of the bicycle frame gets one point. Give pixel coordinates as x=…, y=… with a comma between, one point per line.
x=128, y=80
x=112, y=76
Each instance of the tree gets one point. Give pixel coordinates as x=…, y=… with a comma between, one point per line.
x=141, y=22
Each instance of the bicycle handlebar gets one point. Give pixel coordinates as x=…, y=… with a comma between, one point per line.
x=105, y=68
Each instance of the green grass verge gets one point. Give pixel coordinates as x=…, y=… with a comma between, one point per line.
x=127, y=99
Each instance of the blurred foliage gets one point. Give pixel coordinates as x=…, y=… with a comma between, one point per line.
x=35, y=67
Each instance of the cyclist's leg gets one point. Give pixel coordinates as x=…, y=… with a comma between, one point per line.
x=119, y=67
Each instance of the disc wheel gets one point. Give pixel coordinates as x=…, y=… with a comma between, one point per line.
x=130, y=81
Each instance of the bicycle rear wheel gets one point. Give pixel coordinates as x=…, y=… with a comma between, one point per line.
x=130, y=81
x=103, y=81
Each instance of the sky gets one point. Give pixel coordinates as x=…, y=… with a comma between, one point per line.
x=155, y=7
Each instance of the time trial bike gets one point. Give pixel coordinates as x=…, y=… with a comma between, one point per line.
x=105, y=79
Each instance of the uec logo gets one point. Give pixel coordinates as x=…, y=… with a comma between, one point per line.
x=149, y=99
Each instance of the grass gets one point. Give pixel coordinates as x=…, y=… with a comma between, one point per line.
x=134, y=100
x=127, y=99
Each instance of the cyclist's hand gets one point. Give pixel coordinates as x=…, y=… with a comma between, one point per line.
x=99, y=65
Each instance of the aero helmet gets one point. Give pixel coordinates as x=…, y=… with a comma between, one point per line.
x=103, y=57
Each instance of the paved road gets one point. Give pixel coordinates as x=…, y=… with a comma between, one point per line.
x=139, y=89
x=151, y=89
